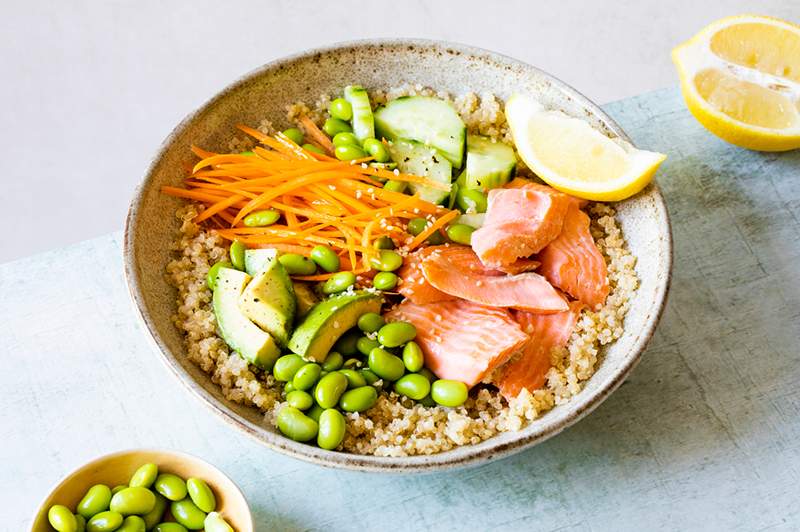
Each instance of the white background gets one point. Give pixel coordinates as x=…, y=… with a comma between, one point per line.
x=89, y=89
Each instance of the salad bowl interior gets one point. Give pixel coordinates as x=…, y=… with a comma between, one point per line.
x=456, y=69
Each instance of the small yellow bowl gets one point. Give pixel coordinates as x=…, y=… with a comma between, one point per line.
x=117, y=468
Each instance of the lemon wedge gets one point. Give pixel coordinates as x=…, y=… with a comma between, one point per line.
x=740, y=77
x=571, y=156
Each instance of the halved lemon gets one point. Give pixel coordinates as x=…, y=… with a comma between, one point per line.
x=740, y=77
x=571, y=156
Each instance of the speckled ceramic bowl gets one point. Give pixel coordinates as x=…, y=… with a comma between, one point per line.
x=380, y=64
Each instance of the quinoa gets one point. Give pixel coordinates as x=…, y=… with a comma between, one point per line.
x=397, y=426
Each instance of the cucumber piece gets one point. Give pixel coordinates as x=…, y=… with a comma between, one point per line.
x=474, y=220
x=490, y=164
x=417, y=159
x=428, y=120
x=363, y=123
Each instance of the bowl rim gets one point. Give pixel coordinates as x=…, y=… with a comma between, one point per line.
x=132, y=451
x=482, y=452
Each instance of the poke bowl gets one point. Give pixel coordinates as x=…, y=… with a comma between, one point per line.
x=344, y=255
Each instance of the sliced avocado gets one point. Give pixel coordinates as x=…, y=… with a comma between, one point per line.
x=306, y=298
x=242, y=335
x=256, y=260
x=490, y=164
x=269, y=301
x=330, y=319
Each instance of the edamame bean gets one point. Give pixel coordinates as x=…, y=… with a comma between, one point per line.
x=299, y=399
x=104, y=522
x=332, y=126
x=351, y=363
x=133, y=501
x=384, y=242
x=354, y=378
x=169, y=527
x=201, y=494
x=154, y=516
x=81, y=523
x=288, y=388
x=371, y=322
x=427, y=401
x=248, y=153
x=62, y=519
x=329, y=389
x=366, y=345
x=413, y=385
x=144, y=476
x=313, y=149
x=428, y=374
x=171, y=486
x=96, y=500
x=435, y=239
x=237, y=254
x=376, y=148
x=261, y=218
x=322, y=373
x=346, y=344
x=333, y=361
x=345, y=138
x=286, y=366
x=471, y=200
x=188, y=514
x=331, y=429
x=295, y=135
x=368, y=376
x=413, y=357
x=339, y=282
x=296, y=264
x=385, y=281
x=348, y=152
x=115, y=489
x=396, y=333
x=215, y=523
x=341, y=109
x=387, y=261
x=395, y=186
x=358, y=399
x=325, y=258
x=307, y=376
x=460, y=233
x=295, y=425
x=385, y=365
x=416, y=226
x=315, y=412
x=449, y=392
x=211, y=278
x=132, y=523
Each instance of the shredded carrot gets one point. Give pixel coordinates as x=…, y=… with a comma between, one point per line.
x=316, y=134
x=435, y=226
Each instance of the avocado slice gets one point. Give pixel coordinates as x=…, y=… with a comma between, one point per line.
x=269, y=301
x=242, y=335
x=330, y=319
x=306, y=298
x=257, y=260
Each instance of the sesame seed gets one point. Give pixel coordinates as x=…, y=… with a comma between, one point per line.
x=396, y=171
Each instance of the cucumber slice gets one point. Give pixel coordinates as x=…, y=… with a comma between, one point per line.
x=473, y=220
x=490, y=164
x=363, y=123
x=428, y=120
x=417, y=159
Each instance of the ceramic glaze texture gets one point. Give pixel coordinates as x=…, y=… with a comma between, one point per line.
x=457, y=69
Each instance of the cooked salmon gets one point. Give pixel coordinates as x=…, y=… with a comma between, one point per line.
x=461, y=340
x=413, y=284
x=573, y=263
x=529, y=369
x=457, y=271
x=519, y=222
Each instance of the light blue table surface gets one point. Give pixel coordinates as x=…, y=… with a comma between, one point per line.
x=705, y=434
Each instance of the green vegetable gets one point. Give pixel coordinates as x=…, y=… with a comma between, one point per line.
x=144, y=476
x=201, y=494
x=417, y=226
x=348, y=152
x=331, y=429
x=313, y=149
x=460, y=233
x=288, y=388
x=307, y=376
x=154, y=516
x=449, y=393
x=341, y=109
x=237, y=254
x=329, y=389
x=96, y=499
x=384, y=242
x=395, y=186
x=325, y=258
x=81, y=521
x=428, y=374
x=385, y=281
x=370, y=322
x=171, y=486
x=315, y=412
x=169, y=527
x=435, y=239
x=62, y=519
x=490, y=164
x=261, y=218
x=333, y=126
x=345, y=138
x=188, y=514
x=333, y=361
x=413, y=385
x=358, y=399
x=354, y=378
x=295, y=425
x=396, y=333
x=418, y=159
x=339, y=282
x=299, y=399
x=133, y=501
x=363, y=122
x=471, y=200
x=286, y=366
x=115, y=489
x=351, y=363
x=132, y=523
x=368, y=376
x=388, y=261
x=215, y=523
x=297, y=264
x=385, y=365
x=248, y=153
x=376, y=148
x=413, y=357
x=295, y=135
x=427, y=401
x=346, y=344
x=365, y=345
x=104, y=522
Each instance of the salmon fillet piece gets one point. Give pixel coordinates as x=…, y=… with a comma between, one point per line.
x=519, y=222
x=457, y=271
x=573, y=263
x=461, y=340
x=547, y=332
x=414, y=286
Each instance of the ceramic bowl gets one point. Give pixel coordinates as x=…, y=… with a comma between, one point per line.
x=456, y=69
x=116, y=469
